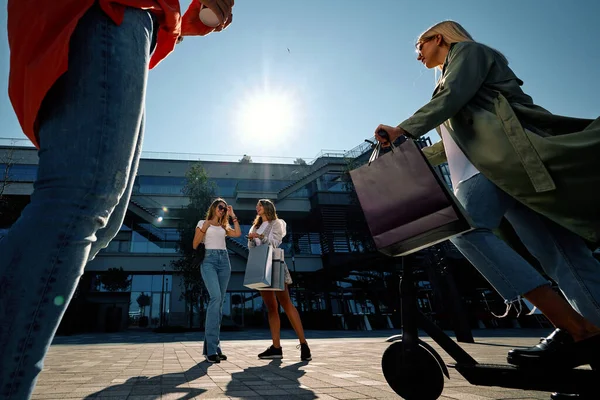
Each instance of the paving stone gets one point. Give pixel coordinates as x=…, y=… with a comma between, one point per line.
x=149, y=366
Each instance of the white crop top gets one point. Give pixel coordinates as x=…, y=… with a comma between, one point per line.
x=214, y=238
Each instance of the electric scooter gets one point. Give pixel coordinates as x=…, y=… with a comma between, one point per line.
x=416, y=371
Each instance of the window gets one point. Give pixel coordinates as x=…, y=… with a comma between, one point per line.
x=21, y=172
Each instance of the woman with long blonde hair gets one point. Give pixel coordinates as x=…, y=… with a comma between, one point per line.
x=269, y=229
x=510, y=158
x=216, y=270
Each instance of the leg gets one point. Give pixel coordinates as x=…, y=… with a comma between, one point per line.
x=89, y=126
x=566, y=259
x=291, y=312
x=273, y=312
x=224, y=273
x=504, y=268
x=105, y=235
x=210, y=277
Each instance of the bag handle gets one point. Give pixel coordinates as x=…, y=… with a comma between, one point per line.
x=377, y=146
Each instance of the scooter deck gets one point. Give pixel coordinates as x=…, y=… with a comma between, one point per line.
x=544, y=380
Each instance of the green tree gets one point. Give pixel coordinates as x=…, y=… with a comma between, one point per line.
x=7, y=160
x=201, y=192
x=115, y=280
x=246, y=159
x=299, y=161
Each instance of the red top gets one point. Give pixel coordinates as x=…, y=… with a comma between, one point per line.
x=39, y=33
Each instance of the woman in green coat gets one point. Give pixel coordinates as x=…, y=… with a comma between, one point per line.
x=511, y=158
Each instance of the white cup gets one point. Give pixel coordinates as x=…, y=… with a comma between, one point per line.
x=208, y=17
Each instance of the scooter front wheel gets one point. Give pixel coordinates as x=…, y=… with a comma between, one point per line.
x=420, y=378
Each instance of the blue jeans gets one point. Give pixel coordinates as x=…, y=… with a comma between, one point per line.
x=563, y=255
x=216, y=271
x=90, y=133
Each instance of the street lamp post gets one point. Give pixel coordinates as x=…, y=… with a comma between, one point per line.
x=162, y=297
x=165, y=305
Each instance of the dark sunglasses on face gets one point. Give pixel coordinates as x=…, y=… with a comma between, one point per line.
x=221, y=207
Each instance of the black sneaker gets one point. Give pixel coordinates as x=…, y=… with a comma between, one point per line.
x=222, y=356
x=214, y=359
x=271, y=353
x=304, y=352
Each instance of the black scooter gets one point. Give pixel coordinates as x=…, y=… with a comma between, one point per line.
x=416, y=371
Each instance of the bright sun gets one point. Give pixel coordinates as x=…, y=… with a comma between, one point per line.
x=267, y=115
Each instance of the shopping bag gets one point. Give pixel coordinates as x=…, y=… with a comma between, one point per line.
x=259, y=267
x=406, y=204
x=278, y=275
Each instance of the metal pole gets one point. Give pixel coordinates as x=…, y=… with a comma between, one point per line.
x=165, y=305
x=162, y=295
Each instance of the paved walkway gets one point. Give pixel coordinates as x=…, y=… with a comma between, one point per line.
x=346, y=365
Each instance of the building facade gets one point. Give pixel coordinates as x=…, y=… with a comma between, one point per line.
x=340, y=280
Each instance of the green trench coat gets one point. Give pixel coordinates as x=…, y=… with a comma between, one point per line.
x=548, y=162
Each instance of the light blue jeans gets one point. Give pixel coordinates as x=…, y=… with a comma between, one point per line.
x=216, y=271
x=563, y=255
x=91, y=126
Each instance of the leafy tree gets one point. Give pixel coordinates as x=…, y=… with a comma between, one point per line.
x=115, y=280
x=143, y=301
x=299, y=161
x=201, y=192
x=7, y=160
x=246, y=159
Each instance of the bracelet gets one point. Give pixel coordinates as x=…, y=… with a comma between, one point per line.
x=235, y=220
x=202, y=231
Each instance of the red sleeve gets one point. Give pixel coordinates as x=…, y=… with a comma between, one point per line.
x=191, y=24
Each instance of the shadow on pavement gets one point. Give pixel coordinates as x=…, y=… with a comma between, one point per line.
x=155, y=387
x=269, y=380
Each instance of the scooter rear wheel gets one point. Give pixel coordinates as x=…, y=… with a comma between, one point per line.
x=421, y=378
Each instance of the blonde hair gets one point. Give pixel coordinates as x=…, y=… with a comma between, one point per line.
x=270, y=213
x=451, y=32
x=212, y=210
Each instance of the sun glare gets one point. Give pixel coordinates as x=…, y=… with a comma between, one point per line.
x=267, y=115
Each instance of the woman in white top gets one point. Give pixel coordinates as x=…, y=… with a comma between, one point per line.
x=269, y=229
x=216, y=270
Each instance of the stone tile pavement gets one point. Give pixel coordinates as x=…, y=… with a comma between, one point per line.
x=151, y=366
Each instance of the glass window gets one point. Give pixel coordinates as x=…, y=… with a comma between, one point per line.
x=159, y=184
x=21, y=172
x=141, y=283
x=157, y=282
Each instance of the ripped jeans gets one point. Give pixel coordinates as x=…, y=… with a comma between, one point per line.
x=563, y=255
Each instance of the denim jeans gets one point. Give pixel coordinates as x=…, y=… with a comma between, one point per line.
x=563, y=255
x=216, y=271
x=90, y=131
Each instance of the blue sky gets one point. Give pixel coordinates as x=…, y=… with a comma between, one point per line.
x=350, y=66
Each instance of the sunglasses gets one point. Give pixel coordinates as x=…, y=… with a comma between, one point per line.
x=419, y=45
x=221, y=207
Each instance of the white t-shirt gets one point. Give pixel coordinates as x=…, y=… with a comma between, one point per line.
x=460, y=167
x=214, y=238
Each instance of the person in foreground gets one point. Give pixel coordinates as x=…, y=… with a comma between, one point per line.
x=78, y=73
x=216, y=270
x=269, y=229
x=510, y=158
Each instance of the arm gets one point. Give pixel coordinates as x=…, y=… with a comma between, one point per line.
x=198, y=236
x=200, y=232
x=236, y=231
x=276, y=236
x=466, y=71
x=251, y=242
